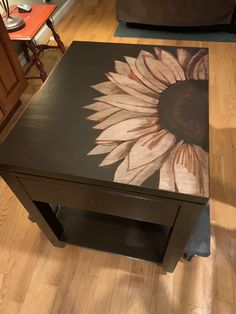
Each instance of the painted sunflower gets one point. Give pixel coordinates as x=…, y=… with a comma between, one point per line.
x=153, y=118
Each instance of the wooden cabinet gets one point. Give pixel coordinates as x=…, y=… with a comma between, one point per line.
x=12, y=80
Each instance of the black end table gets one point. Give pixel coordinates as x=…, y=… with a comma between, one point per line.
x=49, y=157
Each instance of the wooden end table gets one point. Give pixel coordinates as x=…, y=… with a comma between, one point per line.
x=112, y=197
x=34, y=21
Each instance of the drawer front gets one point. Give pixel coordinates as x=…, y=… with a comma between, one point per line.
x=103, y=200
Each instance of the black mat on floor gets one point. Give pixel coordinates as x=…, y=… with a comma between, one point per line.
x=199, y=242
x=146, y=31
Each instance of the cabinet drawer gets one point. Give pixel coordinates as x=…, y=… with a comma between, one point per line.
x=104, y=200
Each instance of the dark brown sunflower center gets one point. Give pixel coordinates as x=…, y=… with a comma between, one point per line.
x=183, y=110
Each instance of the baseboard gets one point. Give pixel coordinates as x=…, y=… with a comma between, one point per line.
x=44, y=31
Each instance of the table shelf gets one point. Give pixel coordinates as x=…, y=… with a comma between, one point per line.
x=113, y=234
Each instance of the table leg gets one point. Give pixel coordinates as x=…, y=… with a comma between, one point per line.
x=185, y=221
x=38, y=62
x=41, y=212
x=56, y=36
x=26, y=51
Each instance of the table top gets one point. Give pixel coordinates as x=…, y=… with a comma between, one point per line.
x=34, y=20
x=106, y=119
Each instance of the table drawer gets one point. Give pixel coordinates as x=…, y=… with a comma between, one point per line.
x=104, y=200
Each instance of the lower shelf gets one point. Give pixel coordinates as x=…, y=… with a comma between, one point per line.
x=109, y=233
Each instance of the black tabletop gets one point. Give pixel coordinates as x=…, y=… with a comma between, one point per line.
x=55, y=136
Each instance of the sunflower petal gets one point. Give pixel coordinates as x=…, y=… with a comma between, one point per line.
x=150, y=147
x=166, y=175
x=129, y=129
x=157, y=52
x=128, y=102
x=147, y=171
x=107, y=143
x=126, y=99
x=135, y=108
x=103, y=114
x=122, y=68
x=172, y=62
x=123, y=175
x=98, y=106
x=193, y=61
x=196, y=70
x=119, y=116
x=188, y=171
x=143, y=69
x=133, y=92
x=203, y=158
x=136, y=176
x=160, y=70
x=206, y=66
x=107, y=88
x=203, y=69
x=183, y=57
x=186, y=181
x=138, y=86
x=200, y=71
x=147, y=54
x=131, y=61
x=117, y=153
x=101, y=149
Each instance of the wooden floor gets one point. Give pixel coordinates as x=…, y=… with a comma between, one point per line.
x=38, y=278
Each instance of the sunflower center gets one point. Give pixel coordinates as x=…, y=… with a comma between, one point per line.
x=183, y=110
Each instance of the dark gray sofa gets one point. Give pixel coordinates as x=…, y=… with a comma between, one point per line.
x=176, y=12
